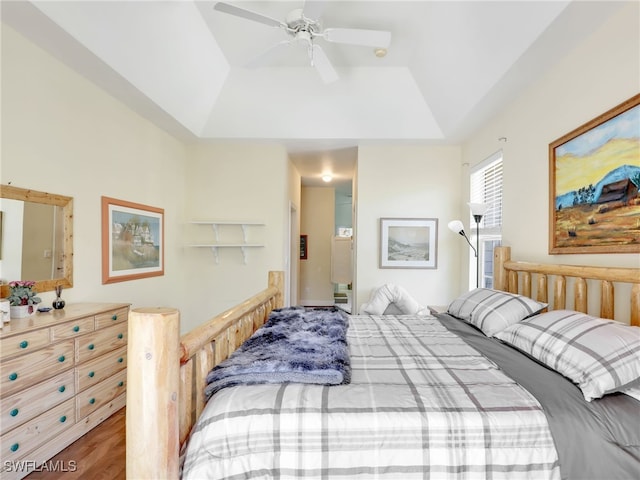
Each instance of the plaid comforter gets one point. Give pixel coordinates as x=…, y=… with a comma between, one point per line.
x=421, y=404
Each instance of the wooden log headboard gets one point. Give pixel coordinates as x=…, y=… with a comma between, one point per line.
x=517, y=277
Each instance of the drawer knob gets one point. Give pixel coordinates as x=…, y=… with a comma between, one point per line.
x=15, y=447
x=91, y=346
x=13, y=376
x=62, y=388
x=63, y=418
x=114, y=317
x=91, y=374
x=120, y=335
x=24, y=344
x=76, y=328
x=14, y=412
x=120, y=360
x=61, y=358
x=92, y=401
x=120, y=383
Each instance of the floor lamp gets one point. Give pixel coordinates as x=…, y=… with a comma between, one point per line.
x=477, y=210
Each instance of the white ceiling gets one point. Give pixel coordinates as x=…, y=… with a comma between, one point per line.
x=450, y=66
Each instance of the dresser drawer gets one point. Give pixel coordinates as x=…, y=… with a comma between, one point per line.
x=30, y=403
x=112, y=317
x=20, y=441
x=100, y=394
x=100, y=342
x=23, y=371
x=23, y=343
x=73, y=329
x=94, y=371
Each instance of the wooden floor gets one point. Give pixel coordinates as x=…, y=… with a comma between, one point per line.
x=98, y=455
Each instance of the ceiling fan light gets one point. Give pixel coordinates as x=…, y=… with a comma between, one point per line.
x=303, y=37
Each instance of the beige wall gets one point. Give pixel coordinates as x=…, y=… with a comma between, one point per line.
x=292, y=267
x=317, y=222
x=407, y=182
x=62, y=134
x=598, y=75
x=37, y=238
x=234, y=182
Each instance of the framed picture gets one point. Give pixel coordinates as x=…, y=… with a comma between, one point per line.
x=132, y=241
x=303, y=247
x=594, y=178
x=408, y=242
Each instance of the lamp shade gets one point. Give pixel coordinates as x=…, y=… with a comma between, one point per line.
x=456, y=226
x=479, y=208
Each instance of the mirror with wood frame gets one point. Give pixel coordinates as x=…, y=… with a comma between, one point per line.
x=36, y=238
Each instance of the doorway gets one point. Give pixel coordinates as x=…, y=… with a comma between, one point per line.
x=324, y=218
x=293, y=261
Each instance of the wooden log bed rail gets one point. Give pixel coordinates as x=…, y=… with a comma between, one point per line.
x=167, y=372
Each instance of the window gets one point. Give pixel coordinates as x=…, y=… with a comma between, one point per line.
x=486, y=187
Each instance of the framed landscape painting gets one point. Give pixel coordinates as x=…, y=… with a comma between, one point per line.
x=132, y=241
x=408, y=242
x=594, y=179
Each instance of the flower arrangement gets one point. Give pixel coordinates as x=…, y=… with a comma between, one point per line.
x=22, y=292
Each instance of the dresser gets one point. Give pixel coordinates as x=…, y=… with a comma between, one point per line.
x=61, y=374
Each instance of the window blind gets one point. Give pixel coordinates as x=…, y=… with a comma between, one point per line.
x=486, y=187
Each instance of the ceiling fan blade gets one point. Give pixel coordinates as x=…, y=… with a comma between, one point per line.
x=248, y=14
x=268, y=55
x=313, y=9
x=322, y=64
x=354, y=36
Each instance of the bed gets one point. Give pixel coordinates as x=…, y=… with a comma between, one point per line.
x=428, y=397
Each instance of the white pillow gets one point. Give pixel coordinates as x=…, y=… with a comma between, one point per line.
x=493, y=310
x=600, y=356
x=389, y=294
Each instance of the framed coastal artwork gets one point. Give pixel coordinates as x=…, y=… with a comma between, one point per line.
x=132, y=241
x=594, y=179
x=408, y=242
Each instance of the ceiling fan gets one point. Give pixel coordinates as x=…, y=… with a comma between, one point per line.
x=302, y=25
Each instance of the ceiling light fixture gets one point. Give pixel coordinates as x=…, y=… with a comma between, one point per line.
x=327, y=178
x=380, y=52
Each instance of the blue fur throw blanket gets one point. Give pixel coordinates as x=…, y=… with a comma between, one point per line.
x=295, y=345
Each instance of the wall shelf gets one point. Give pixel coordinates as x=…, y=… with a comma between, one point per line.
x=244, y=246
x=216, y=226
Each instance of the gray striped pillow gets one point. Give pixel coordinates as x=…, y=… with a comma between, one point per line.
x=600, y=356
x=493, y=310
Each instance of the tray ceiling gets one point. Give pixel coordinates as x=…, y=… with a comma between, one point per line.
x=450, y=65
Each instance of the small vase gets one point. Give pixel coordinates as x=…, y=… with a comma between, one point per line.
x=58, y=303
x=22, y=311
